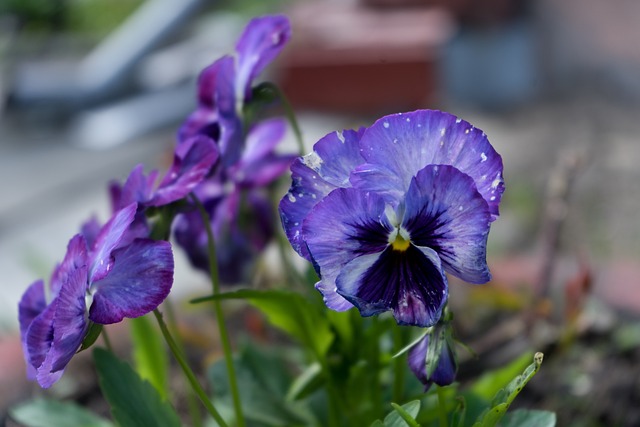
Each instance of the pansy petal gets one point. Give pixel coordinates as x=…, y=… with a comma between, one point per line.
x=399, y=145
x=191, y=164
x=75, y=257
x=138, y=188
x=262, y=40
x=417, y=360
x=139, y=280
x=69, y=327
x=31, y=305
x=203, y=121
x=207, y=81
x=39, y=337
x=313, y=178
x=262, y=140
x=445, y=212
x=109, y=238
x=346, y=224
x=409, y=282
x=90, y=230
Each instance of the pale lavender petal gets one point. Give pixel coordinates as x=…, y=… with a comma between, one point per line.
x=191, y=164
x=445, y=212
x=109, y=238
x=396, y=147
x=265, y=171
x=262, y=140
x=330, y=296
x=262, y=40
x=313, y=177
x=138, y=281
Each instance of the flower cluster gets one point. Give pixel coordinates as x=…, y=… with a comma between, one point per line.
x=385, y=211
x=248, y=163
x=125, y=268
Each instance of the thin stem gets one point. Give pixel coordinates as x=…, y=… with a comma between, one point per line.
x=192, y=404
x=442, y=406
x=195, y=385
x=288, y=111
x=399, y=365
x=107, y=341
x=222, y=329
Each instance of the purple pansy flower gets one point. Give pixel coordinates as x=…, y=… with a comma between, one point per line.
x=446, y=368
x=240, y=211
x=225, y=86
x=384, y=212
x=102, y=283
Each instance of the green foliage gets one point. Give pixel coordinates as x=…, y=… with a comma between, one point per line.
x=401, y=416
x=291, y=313
x=149, y=354
x=41, y=412
x=134, y=402
x=529, y=418
x=504, y=397
x=94, y=332
x=263, y=379
x=491, y=382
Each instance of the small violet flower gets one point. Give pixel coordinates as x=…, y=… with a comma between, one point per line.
x=446, y=365
x=225, y=86
x=384, y=212
x=234, y=192
x=113, y=278
x=239, y=210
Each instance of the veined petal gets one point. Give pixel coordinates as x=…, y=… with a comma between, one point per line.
x=262, y=140
x=313, y=177
x=346, y=224
x=262, y=40
x=138, y=188
x=139, y=280
x=396, y=147
x=108, y=239
x=411, y=283
x=39, y=337
x=445, y=212
x=75, y=257
x=69, y=327
x=31, y=305
x=192, y=162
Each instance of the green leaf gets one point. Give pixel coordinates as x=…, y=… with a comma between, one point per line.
x=403, y=416
x=491, y=382
x=149, y=354
x=504, y=397
x=53, y=413
x=259, y=401
x=529, y=418
x=289, y=312
x=134, y=402
x=310, y=380
x=92, y=335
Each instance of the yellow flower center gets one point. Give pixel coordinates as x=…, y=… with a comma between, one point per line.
x=400, y=243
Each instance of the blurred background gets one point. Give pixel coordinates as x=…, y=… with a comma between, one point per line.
x=90, y=88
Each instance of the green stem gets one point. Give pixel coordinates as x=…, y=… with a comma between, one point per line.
x=192, y=404
x=442, y=406
x=222, y=329
x=288, y=111
x=191, y=377
x=107, y=341
x=399, y=365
